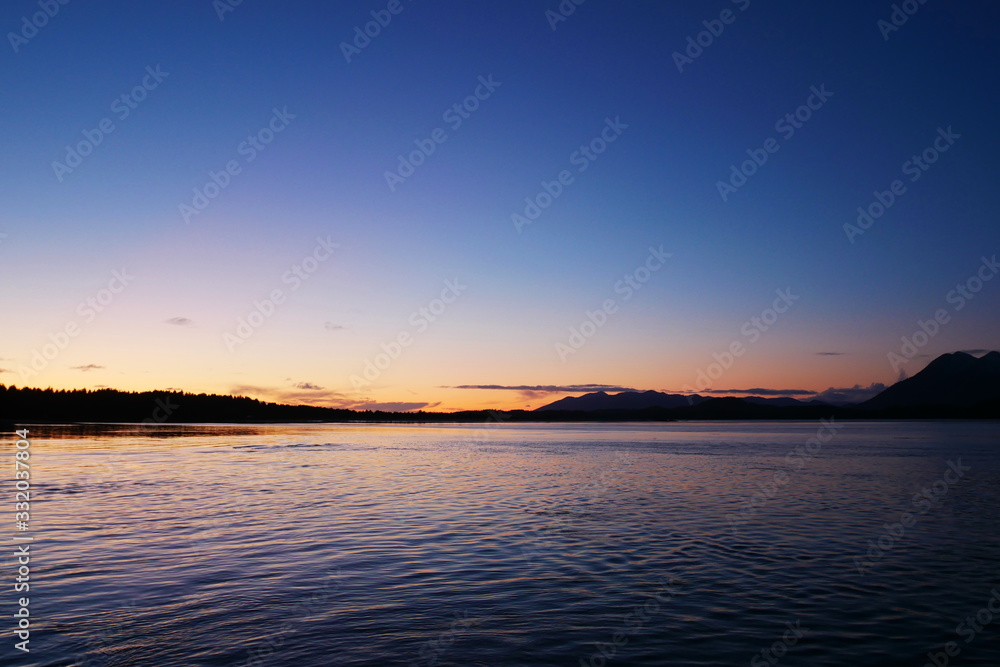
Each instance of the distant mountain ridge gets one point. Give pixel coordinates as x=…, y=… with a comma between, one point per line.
x=957, y=379
x=626, y=400
x=642, y=400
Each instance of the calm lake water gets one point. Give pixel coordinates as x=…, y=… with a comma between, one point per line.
x=559, y=544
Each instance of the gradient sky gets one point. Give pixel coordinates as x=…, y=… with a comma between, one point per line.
x=189, y=282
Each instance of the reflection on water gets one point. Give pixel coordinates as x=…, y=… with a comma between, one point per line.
x=556, y=544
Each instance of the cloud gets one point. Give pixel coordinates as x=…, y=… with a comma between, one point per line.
x=5, y=370
x=88, y=367
x=248, y=390
x=832, y=395
x=855, y=394
x=976, y=353
x=323, y=399
x=330, y=326
x=179, y=321
x=829, y=354
x=548, y=388
x=394, y=407
x=757, y=391
x=309, y=386
x=309, y=394
x=530, y=392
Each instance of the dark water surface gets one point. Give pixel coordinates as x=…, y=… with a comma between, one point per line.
x=562, y=544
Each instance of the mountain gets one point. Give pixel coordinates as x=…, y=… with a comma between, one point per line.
x=626, y=400
x=640, y=400
x=957, y=379
x=779, y=401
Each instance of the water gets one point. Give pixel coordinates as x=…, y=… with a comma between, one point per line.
x=560, y=544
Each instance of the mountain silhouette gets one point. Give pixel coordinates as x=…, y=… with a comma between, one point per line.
x=641, y=400
x=956, y=379
x=626, y=400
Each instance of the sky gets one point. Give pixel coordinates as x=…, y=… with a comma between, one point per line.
x=448, y=205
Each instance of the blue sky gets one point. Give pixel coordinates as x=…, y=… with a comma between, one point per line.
x=323, y=175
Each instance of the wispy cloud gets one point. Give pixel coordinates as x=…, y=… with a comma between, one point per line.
x=829, y=354
x=325, y=399
x=548, y=388
x=330, y=326
x=88, y=367
x=308, y=386
x=757, y=391
x=976, y=353
x=179, y=321
x=395, y=407
x=530, y=392
x=311, y=394
x=5, y=370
